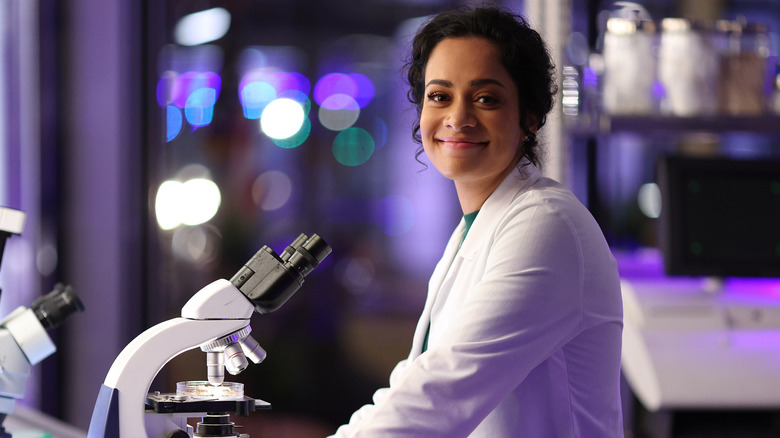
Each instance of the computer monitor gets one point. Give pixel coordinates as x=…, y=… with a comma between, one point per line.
x=720, y=217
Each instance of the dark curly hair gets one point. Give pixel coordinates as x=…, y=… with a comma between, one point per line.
x=524, y=55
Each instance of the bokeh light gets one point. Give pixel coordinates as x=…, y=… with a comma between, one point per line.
x=258, y=88
x=187, y=83
x=271, y=190
x=166, y=205
x=339, y=112
x=365, y=89
x=356, y=274
x=299, y=97
x=649, y=200
x=353, y=146
x=254, y=98
x=165, y=88
x=296, y=139
x=395, y=215
x=334, y=83
x=202, y=27
x=197, y=245
x=173, y=122
x=192, y=202
x=199, y=109
x=282, y=118
x=202, y=200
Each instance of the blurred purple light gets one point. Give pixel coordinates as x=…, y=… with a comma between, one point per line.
x=334, y=83
x=394, y=214
x=258, y=88
x=187, y=83
x=165, y=88
x=340, y=101
x=365, y=89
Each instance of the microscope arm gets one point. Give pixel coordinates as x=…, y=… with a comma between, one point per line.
x=132, y=372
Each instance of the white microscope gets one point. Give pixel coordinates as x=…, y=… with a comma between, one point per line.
x=216, y=319
x=23, y=338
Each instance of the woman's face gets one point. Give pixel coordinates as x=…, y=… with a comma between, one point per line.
x=470, y=121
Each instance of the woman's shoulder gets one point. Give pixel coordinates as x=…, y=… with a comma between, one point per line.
x=549, y=203
x=546, y=192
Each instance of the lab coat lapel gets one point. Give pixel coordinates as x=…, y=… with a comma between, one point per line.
x=434, y=285
x=517, y=181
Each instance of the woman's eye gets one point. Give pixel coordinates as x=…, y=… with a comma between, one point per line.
x=487, y=99
x=437, y=97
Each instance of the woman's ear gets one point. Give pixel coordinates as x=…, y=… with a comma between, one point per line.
x=533, y=124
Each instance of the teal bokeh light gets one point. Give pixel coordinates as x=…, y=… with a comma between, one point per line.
x=254, y=97
x=199, y=109
x=353, y=146
x=296, y=139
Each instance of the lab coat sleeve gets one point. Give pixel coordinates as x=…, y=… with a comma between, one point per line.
x=523, y=304
x=377, y=398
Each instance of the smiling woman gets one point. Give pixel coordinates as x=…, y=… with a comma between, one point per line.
x=521, y=330
x=470, y=120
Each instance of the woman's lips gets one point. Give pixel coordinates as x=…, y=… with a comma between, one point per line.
x=461, y=143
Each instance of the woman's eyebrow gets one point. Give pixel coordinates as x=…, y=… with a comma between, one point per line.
x=474, y=83
x=486, y=81
x=441, y=82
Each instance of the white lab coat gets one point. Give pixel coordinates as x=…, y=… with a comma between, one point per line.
x=525, y=328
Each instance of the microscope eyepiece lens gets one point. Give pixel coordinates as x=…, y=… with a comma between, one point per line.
x=308, y=255
x=53, y=308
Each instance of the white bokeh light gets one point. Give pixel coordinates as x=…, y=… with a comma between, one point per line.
x=167, y=205
x=649, y=199
x=190, y=203
x=201, y=199
x=271, y=190
x=338, y=112
x=282, y=118
x=202, y=27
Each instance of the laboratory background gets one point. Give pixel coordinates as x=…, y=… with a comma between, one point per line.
x=150, y=148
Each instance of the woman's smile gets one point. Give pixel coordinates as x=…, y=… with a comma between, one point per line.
x=456, y=143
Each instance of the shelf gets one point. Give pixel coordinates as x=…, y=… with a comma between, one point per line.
x=655, y=124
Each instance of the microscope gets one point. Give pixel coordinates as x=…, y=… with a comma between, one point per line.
x=216, y=319
x=23, y=338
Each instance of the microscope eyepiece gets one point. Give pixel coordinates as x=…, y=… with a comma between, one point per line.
x=308, y=255
x=269, y=280
x=52, y=308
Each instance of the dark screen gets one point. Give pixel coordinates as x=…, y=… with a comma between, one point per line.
x=721, y=217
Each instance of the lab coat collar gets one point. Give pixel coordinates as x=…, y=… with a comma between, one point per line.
x=523, y=176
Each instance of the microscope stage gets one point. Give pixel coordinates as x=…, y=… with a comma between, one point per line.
x=172, y=403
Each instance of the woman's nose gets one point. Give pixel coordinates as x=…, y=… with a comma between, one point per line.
x=460, y=116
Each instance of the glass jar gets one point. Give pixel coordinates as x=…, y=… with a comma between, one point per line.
x=629, y=67
x=688, y=67
x=743, y=86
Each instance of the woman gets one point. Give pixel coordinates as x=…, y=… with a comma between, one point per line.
x=521, y=331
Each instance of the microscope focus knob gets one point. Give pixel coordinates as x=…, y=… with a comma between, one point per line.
x=178, y=434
